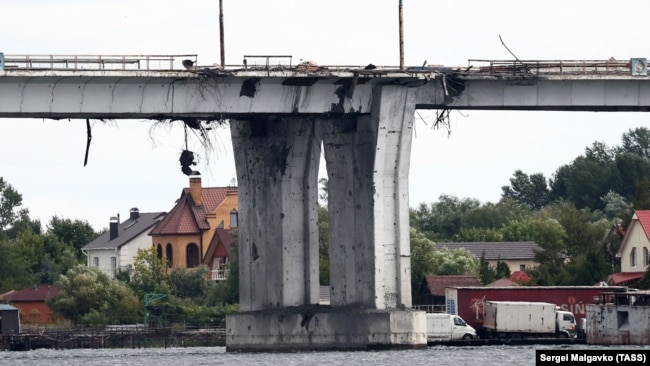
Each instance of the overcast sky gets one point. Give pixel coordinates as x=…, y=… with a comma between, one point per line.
x=132, y=164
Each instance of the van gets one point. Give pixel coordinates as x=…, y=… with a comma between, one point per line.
x=448, y=327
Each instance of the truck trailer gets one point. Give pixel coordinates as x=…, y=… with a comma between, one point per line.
x=523, y=319
x=468, y=302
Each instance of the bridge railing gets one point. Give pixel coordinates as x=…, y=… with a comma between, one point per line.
x=549, y=67
x=99, y=62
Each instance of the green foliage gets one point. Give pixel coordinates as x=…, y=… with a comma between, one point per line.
x=502, y=269
x=189, y=283
x=486, y=273
x=75, y=233
x=10, y=202
x=528, y=190
x=88, y=296
x=14, y=271
x=149, y=273
x=323, y=245
x=455, y=262
x=422, y=258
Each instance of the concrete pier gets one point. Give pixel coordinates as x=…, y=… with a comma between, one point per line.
x=367, y=159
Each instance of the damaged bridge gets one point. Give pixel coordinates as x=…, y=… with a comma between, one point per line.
x=280, y=118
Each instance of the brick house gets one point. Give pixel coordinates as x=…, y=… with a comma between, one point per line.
x=197, y=229
x=32, y=303
x=634, y=251
x=518, y=255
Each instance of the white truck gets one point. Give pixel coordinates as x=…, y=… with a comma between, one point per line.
x=448, y=327
x=522, y=319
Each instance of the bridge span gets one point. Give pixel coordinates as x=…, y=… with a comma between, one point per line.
x=280, y=118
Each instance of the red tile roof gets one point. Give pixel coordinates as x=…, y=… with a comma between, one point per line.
x=31, y=294
x=435, y=285
x=622, y=278
x=644, y=219
x=188, y=218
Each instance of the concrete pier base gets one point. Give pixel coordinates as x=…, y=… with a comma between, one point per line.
x=312, y=328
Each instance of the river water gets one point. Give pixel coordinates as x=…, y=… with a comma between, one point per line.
x=197, y=356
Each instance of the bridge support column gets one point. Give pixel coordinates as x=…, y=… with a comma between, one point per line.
x=277, y=169
x=368, y=164
x=367, y=161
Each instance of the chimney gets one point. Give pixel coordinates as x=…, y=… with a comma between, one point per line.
x=112, y=228
x=134, y=213
x=195, y=188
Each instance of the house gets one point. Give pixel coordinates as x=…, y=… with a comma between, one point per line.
x=189, y=235
x=116, y=249
x=217, y=257
x=32, y=303
x=432, y=290
x=633, y=251
x=518, y=255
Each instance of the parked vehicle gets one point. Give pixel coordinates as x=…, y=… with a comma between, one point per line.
x=522, y=319
x=447, y=327
x=468, y=302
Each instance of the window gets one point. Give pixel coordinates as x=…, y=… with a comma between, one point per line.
x=96, y=261
x=169, y=253
x=113, y=266
x=633, y=257
x=522, y=267
x=192, y=255
x=234, y=216
x=645, y=256
x=159, y=251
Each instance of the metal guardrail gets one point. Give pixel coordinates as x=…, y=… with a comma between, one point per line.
x=549, y=67
x=99, y=62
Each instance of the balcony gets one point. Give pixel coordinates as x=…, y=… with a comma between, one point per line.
x=219, y=275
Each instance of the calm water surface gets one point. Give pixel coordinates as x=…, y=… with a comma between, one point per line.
x=457, y=356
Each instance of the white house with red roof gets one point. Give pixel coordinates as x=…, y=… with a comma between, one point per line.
x=634, y=250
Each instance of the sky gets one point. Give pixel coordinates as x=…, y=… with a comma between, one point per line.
x=134, y=163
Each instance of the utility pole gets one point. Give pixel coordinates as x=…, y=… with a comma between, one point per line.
x=223, y=52
x=401, y=37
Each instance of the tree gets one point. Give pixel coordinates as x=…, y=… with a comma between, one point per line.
x=88, y=296
x=149, y=273
x=487, y=274
x=75, y=233
x=422, y=259
x=455, y=262
x=191, y=284
x=502, y=269
x=444, y=218
x=10, y=202
x=528, y=190
x=14, y=272
x=636, y=141
x=323, y=246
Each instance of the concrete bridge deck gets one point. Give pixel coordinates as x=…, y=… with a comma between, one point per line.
x=66, y=88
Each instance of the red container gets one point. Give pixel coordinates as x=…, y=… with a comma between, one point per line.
x=467, y=302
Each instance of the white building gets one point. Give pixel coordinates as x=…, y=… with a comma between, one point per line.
x=116, y=249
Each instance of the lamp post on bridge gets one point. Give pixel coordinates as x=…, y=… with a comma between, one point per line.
x=223, y=53
x=401, y=37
